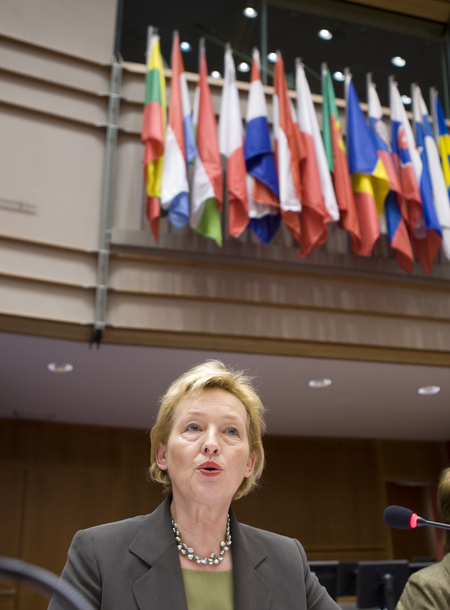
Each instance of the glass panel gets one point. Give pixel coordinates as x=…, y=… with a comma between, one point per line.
x=363, y=39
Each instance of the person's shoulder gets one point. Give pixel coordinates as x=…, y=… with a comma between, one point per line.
x=268, y=537
x=430, y=573
x=115, y=528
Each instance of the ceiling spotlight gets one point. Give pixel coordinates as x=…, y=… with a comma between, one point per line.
x=185, y=46
x=319, y=383
x=399, y=62
x=250, y=12
x=60, y=367
x=216, y=74
x=243, y=67
x=429, y=390
x=325, y=34
x=339, y=76
x=406, y=100
x=272, y=57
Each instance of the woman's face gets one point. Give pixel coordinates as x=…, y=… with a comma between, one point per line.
x=207, y=454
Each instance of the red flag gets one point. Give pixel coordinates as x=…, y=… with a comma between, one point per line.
x=288, y=152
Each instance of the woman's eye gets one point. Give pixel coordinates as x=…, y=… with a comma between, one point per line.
x=233, y=431
x=193, y=428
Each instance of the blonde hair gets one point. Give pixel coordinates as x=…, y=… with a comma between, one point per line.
x=443, y=500
x=212, y=374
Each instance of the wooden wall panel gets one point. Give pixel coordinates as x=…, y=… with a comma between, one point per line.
x=11, y=501
x=326, y=492
x=417, y=461
x=58, y=503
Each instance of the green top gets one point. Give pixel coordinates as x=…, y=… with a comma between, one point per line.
x=206, y=590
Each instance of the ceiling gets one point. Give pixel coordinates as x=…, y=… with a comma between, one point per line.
x=364, y=39
x=120, y=386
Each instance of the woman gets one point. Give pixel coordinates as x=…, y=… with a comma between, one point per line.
x=191, y=553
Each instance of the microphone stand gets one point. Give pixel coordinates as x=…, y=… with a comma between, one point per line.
x=44, y=581
x=388, y=592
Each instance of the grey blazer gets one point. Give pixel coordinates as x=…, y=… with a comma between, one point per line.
x=134, y=565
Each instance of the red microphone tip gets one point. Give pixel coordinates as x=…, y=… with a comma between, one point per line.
x=413, y=520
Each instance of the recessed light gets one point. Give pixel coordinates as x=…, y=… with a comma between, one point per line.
x=185, y=46
x=319, y=383
x=429, y=390
x=325, y=34
x=250, y=12
x=60, y=367
x=243, y=67
x=272, y=57
x=406, y=100
x=216, y=74
x=339, y=76
x=398, y=61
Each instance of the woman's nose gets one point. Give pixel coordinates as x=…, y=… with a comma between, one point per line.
x=211, y=444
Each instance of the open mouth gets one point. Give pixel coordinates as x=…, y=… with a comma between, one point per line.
x=209, y=468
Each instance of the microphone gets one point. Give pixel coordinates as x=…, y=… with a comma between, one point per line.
x=403, y=518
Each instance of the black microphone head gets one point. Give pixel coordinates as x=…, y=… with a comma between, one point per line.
x=399, y=517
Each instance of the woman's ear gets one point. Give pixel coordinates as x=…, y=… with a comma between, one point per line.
x=161, y=457
x=250, y=464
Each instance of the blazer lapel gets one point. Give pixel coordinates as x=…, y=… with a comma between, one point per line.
x=251, y=590
x=162, y=585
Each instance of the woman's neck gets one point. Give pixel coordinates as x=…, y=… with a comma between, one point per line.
x=202, y=528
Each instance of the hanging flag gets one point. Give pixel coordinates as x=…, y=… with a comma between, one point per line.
x=153, y=129
x=231, y=146
x=370, y=182
x=180, y=148
x=432, y=166
x=396, y=225
x=287, y=152
x=207, y=181
x=262, y=179
x=336, y=156
x=442, y=135
x=425, y=237
x=319, y=201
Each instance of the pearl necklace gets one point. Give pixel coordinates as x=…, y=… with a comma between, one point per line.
x=213, y=559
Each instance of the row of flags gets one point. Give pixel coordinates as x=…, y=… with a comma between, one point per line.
x=295, y=173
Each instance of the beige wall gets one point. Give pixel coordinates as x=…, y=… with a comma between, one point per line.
x=82, y=28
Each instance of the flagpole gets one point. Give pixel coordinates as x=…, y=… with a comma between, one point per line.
x=433, y=96
x=348, y=76
x=368, y=84
x=414, y=109
x=263, y=42
x=201, y=51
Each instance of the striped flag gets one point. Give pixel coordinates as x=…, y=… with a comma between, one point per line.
x=262, y=179
x=337, y=158
x=401, y=138
x=287, y=152
x=319, y=201
x=180, y=148
x=396, y=225
x=370, y=182
x=231, y=146
x=153, y=129
x=426, y=239
x=207, y=181
x=441, y=135
x=424, y=227
x=432, y=166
